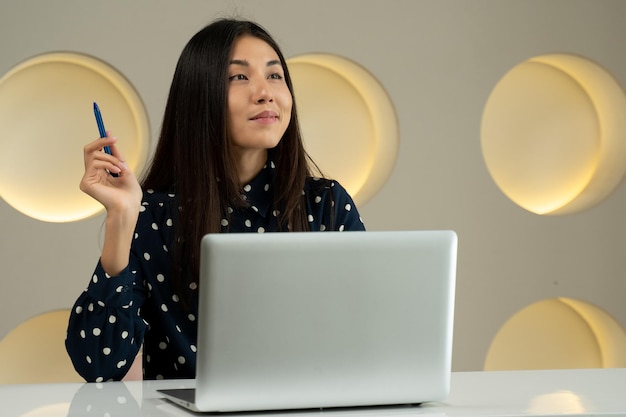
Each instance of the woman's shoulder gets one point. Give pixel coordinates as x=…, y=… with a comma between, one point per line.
x=158, y=203
x=323, y=186
x=154, y=197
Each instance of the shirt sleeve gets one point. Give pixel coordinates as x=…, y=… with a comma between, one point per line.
x=105, y=329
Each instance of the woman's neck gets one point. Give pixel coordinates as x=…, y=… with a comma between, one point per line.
x=249, y=164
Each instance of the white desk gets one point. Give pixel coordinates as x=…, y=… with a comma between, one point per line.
x=571, y=392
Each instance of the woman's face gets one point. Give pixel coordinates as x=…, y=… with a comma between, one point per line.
x=259, y=101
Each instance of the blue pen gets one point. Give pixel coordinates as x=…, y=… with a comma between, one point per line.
x=101, y=129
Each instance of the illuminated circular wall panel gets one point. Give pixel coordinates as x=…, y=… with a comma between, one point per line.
x=558, y=333
x=46, y=118
x=348, y=122
x=553, y=134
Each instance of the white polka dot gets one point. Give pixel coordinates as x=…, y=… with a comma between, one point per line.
x=164, y=307
x=121, y=364
x=272, y=164
x=160, y=277
x=178, y=329
x=96, y=331
x=193, y=348
x=175, y=298
x=261, y=230
x=94, y=279
x=181, y=360
x=310, y=218
x=247, y=188
x=267, y=187
x=136, y=235
x=318, y=199
x=142, y=209
x=162, y=345
x=148, y=358
x=276, y=213
x=348, y=207
x=169, y=222
x=341, y=228
x=101, y=303
x=248, y=223
x=124, y=334
x=224, y=222
x=119, y=289
x=146, y=256
x=191, y=317
x=193, y=286
x=229, y=209
x=88, y=358
x=112, y=319
x=254, y=208
x=83, y=334
x=322, y=227
x=155, y=226
x=165, y=248
x=79, y=309
x=106, y=351
x=99, y=379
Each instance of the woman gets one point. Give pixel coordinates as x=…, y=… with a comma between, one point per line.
x=229, y=159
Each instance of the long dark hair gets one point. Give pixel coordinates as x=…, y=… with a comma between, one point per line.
x=193, y=155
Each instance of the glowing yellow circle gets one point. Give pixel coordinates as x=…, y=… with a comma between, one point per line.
x=537, y=336
x=46, y=117
x=552, y=134
x=348, y=122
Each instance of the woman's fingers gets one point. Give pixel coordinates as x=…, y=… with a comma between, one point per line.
x=94, y=152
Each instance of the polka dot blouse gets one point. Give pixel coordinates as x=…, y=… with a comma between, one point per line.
x=115, y=316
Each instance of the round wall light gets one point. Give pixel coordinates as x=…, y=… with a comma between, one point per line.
x=46, y=118
x=349, y=123
x=558, y=333
x=553, y=134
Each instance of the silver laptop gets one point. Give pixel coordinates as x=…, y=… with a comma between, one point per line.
x=323, y=320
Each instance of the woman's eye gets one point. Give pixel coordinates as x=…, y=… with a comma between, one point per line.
x=237, y=77
x=276, y=76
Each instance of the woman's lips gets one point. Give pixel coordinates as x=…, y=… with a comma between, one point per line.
x=265, y=117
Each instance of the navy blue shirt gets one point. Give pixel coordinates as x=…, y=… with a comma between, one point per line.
x=114, y=316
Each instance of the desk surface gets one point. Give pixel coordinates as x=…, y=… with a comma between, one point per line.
x=589, y=392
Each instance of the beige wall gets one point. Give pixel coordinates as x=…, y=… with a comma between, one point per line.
x=437, y=59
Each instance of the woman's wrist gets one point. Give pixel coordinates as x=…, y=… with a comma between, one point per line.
x=119, y=230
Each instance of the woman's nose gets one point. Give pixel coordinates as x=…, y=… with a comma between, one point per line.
x=262, y=92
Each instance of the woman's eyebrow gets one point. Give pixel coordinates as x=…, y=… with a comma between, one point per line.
x=245, y=63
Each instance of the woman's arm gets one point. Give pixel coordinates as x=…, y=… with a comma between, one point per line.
x=105, y=330
x=120, y=196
